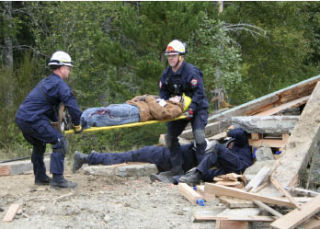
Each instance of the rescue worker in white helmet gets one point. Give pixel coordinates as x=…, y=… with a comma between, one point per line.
x=178, y=79
x=36, y=113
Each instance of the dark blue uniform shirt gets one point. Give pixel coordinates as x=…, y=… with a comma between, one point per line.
x=40, y=103
x=188, y=80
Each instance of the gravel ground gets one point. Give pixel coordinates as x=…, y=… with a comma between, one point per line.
x=97, y=202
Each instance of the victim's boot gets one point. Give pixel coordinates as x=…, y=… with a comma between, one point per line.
x=192, y=177
x=168, y=176
x=78, y=160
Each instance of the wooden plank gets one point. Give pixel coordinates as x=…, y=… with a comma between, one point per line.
x=273, y=143
x=227, y=224
x=189, y=193
x=11, y=213
x=243, y=214
x=237, y=193
x=313, y=223
x=284, y=106
x=259, y=178
x=302, y=144
x=292, y=92
x=255, y=136
x=281, y=189
x=267, y=208
x=207, y=196
x=296, y=217
x=235, y=184
x=231, y=202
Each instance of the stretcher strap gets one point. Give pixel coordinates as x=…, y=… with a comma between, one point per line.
x=134, y=124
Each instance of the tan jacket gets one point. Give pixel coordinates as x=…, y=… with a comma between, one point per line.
x=150, y=109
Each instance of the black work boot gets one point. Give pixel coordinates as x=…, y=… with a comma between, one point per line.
x=168, y=176
x=42, y=181
x=192, y=177
x=78, y=160
x=162, y=178
x=58, y=181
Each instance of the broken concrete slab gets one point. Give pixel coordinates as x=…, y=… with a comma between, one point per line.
x=314, y=172
x=266, y=124
x=122, y=170
x=264, y=154
x=302, y=144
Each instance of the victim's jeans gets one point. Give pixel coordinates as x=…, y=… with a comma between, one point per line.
x=114, y=114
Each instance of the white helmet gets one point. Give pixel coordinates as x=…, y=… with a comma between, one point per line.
x=175, y=47
x=60, y=58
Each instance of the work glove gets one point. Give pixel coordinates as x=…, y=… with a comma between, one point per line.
x=189, y=114
x=77, y=129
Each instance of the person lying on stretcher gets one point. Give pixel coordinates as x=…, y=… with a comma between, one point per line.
x=139, y=109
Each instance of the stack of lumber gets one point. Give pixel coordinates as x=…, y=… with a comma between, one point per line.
x=239, y=206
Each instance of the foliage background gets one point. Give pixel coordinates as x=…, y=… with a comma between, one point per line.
x=249, y=49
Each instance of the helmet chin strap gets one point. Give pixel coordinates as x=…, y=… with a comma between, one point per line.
x=179, y=60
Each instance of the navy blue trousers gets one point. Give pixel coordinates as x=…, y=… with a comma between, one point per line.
x=222, y=159
x=158, y=155
x=38, y=134
x=175, y=128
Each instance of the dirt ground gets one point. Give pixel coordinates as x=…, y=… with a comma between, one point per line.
x=97, y=202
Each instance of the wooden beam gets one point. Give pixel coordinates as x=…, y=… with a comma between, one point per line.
x=273, y=143
x=281, y=189
x=189, y=193
x=11, y=213
x=259, y=178
x=267, y=208
x=207, y=196
x=296, y=217
x=313, y=223
x=232, y=202
x=237, y=193
x=282, y=107
x=227, y=224
x=240, y=214
x=301, y=145
x=285, y=95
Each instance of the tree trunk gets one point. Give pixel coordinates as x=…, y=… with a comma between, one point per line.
x=7, y=51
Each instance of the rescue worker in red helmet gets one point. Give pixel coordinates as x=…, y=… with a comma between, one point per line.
x=177, y=79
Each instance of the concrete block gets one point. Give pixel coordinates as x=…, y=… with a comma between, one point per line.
x=136, y=170
x=19, y=167
x=266, y=124
x=264, y=153
x=122, y=170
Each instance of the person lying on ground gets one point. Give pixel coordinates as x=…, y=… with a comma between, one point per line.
x=158, y=155
x=235, y=157
x=139, y=109
x=224, y=159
